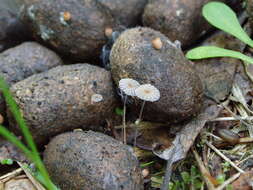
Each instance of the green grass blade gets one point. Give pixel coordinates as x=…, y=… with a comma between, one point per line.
x=46, y=179
x=14, y=140
x=223, y=17
x=42, y=180
x=17, y=114
x=212, y=51
x=34, y=155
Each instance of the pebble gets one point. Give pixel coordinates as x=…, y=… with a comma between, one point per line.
x=133, y=56
x=74, y=28
x=64, y=98
x=23, y=61
x=92, y=161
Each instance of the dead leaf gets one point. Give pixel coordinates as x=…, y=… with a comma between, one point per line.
x=243, y=81
x=148, y=134
x=237, y=96
x=217, y=74
x=244, y=182
x=189, y=131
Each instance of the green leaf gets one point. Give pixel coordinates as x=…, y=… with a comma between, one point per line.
x=223, y=17
x=221, y=178
x=229, y=187
x=186, y=177
x=9, y=161
x=198, y=184
x=212, y=51
x=146, y=164
x=119, y=111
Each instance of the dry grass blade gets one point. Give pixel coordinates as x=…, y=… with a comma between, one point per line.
x=32, y=179
x=238, y=96
x=1, y=186
x=245, y=65
x=10, y=175
x=249, y=126
x=247, y=118
x=203, y=170
x=224, y=157
x=244, y=160
x=227, y=182
x=242, y=108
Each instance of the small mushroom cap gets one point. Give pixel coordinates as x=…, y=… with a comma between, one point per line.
x=147, y=92
x=128, y=86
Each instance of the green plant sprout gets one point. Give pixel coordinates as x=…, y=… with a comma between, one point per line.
x=6, y=162
x=186, y=181
x=224, y=18
x=31, y=151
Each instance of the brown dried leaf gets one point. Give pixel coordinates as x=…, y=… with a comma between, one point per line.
x=189, y=131
x=244, y=182
x=148, y=134
x=218, y=74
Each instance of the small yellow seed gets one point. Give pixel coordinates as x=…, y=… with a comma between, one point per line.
x=108, y=32
x=145, y=173
x=66, y=16
x=157, y=43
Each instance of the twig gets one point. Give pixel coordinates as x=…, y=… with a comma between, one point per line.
x=227, y=182
x=203, y=170
x=224, y=157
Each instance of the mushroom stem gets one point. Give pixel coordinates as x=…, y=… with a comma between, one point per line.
x=124, y=121
x=141, y=112
x=138, y=122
